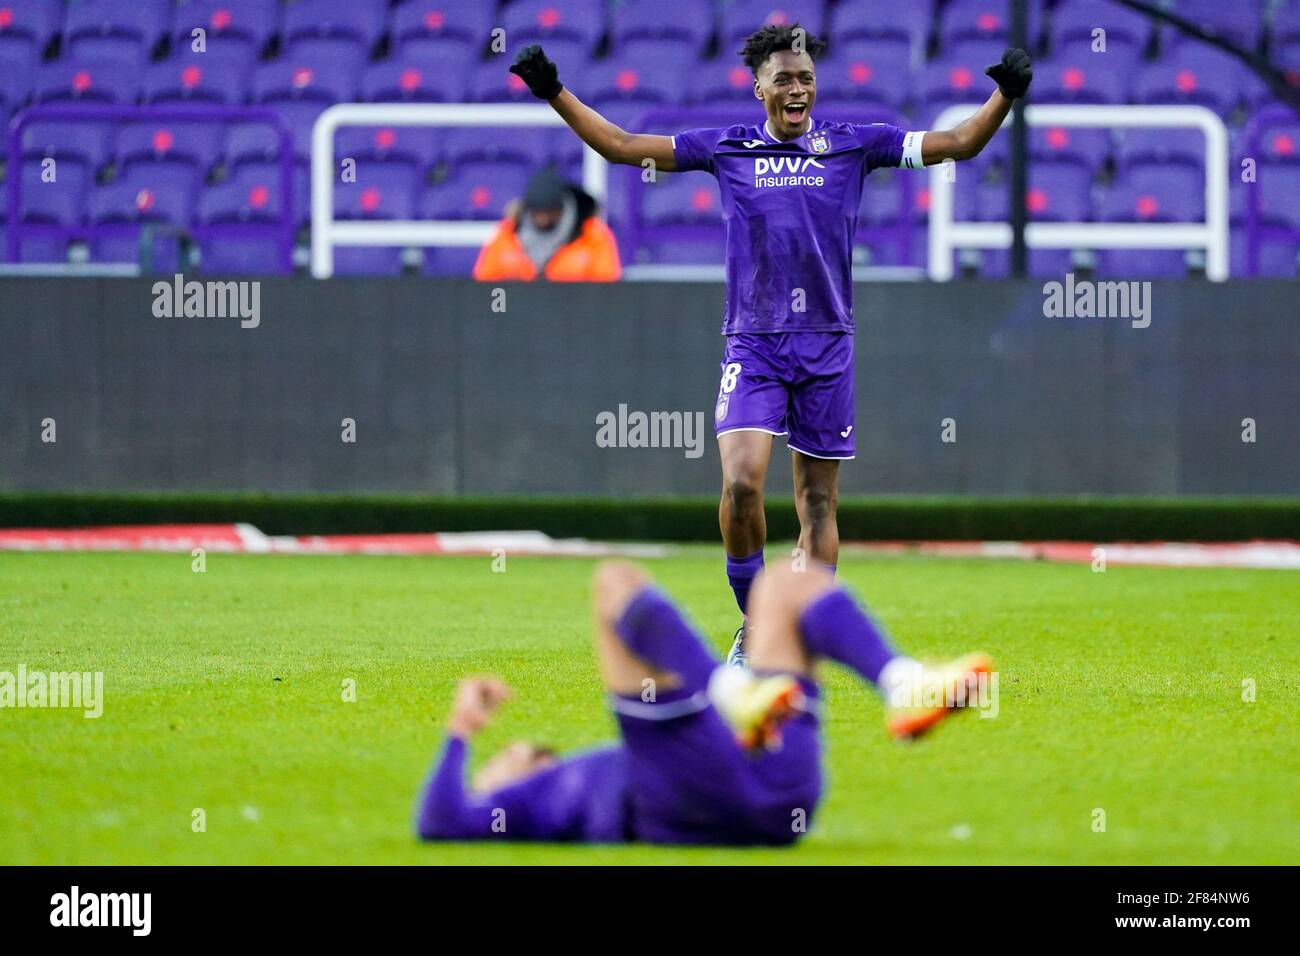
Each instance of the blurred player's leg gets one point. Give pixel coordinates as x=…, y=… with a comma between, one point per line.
x=640, y=636
x=816, y=496
x=802, y=615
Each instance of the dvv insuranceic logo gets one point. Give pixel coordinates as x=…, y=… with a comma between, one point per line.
x=768, y=171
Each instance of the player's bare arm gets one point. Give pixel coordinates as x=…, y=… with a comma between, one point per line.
x=612, y=142
x=968, y=138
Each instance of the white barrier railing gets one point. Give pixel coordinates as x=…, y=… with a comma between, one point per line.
x=1212, y=235
x=326, y=232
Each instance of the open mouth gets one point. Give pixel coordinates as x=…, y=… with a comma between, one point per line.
x=795, y=112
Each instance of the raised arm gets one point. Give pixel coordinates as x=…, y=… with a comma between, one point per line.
x=966, y=139
x=446, y=811
x=612, y=142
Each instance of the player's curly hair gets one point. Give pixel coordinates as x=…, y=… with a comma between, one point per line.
x=774, y=38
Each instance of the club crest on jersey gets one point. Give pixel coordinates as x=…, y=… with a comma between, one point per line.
x=818, y=141
x=720, y=412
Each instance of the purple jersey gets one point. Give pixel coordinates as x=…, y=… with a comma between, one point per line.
x=580, y=799
x=791, y=209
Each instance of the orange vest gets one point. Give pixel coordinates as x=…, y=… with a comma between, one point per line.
x=591, y=257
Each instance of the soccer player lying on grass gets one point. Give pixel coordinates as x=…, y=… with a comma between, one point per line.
x=710, y=754
x=791, y=189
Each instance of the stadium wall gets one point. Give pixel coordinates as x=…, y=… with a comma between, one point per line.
x=452, y=397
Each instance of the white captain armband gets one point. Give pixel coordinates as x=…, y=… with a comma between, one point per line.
x=912, y=150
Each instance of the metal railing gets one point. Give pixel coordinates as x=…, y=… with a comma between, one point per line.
x=947, y=235
x=326, y=232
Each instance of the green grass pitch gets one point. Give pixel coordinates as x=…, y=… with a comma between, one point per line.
x=1120, y=691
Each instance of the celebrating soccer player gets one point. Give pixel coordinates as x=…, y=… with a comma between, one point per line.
x=710, y=754
x=791, y=188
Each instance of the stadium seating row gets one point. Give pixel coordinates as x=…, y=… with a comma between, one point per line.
x=299, y=57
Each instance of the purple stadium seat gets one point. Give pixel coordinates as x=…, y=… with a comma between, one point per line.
x=1277, y=256
x=194, y=79
x=740, y=18
x=491, y=82
x=1080, y=77
x=90, y=144
x=1073, y=23
x=1064, y=144
x=724, y=79
x=382, y=191
x=664, y=50
x=110, y=31
x=54, y=203
x=872, y=20
x=1155, y=192
x=527, y=146
x=1193, y=74
x=543, y=21
x=251, y=195
x=1281, y=143
x=234, y=30
x=418, y=146
x=866, y=71
x=1286, y=24
x=1177, y=145
x=480, y=191
x=139, y=197
x=1151, y=193
x=1240, y=23
x=92, y=82
x=449, y=261
x=467, y=21
x=259, y=142
x=289, y=80
x=645, y=80
x=31, y=23
x=385, y=191
x=249, y=22
x=17, y=65
x=636, y=21
x=195, y=145
x=962, y=20
x=25, y=31
x=328, y=29
x=659, y=66
x=1279, y=185
x=1058, y=192
x=680, y=200
x=410, y=81
x=944, y=82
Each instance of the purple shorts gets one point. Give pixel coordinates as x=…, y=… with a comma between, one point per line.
x=689, y=781
x=798, y=384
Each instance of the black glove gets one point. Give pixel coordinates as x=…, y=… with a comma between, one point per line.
x=541, y=75
x=1013, y=74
